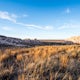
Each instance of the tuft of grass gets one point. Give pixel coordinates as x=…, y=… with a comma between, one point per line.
x=19, y=57
x=64, y=60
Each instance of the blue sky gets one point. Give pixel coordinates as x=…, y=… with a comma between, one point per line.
x=41, y=19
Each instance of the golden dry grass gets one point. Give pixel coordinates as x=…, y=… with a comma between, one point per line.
x=41, y=63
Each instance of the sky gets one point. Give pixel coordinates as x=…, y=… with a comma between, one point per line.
x=40, y=19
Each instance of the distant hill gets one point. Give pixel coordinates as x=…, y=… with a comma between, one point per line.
x=10, y=41
x=33, y=42
x=75, y=39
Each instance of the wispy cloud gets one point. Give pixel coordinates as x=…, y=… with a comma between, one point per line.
x=49, y=27
x=36, y=26
x=7, y=28
x=5, y=15
x=67, y=11
x=12, y=17
x=69, y=26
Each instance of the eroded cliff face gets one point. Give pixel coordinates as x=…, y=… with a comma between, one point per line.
x=40, y=63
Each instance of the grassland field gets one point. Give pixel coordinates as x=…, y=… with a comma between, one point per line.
x=40, y=63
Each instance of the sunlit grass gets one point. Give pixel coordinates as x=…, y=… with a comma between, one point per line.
x=41, y=63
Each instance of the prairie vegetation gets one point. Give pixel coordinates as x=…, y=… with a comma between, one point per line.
x=40, y=63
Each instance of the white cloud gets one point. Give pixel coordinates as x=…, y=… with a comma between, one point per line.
x=48, y=27
x=7, y=28
x=7, y=16
x=69, y=26
x=36, y=26
x=67, y=11
x=12, y=17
